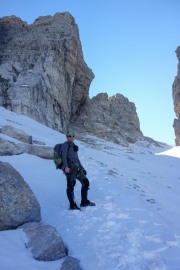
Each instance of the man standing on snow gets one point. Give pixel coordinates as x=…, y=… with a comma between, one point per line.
x=74, y=170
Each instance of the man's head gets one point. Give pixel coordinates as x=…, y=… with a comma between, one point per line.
x=70, y=135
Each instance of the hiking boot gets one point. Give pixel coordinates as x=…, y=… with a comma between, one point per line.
x=74, y=207
x=88, y=203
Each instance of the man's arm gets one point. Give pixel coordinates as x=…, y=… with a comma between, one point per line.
x=65, y=148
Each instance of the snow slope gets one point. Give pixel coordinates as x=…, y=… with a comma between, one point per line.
x=135, y=224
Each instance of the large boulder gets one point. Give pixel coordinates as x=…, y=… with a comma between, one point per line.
x=16, y=133
x=45, y=152
x=8, y=148
x=71, y=263
x=44, y=241
x=18, y=204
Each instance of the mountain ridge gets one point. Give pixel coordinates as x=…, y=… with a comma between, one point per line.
x=43, y=75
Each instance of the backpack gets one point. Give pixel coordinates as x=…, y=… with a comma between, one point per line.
x=57, y=156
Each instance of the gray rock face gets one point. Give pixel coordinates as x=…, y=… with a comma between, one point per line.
x=8, y=148
x=45, y=242
x=176, y=126
x=43, y=75
x=42, y=71
x=18, y=204
x=16, y=133
x=176, y=100
x=45, y=152
x=112, y=118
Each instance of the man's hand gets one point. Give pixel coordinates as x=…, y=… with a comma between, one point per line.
x=67, y=170
x=84, y=171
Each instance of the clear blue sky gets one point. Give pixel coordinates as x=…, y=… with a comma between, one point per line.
x=130, y=46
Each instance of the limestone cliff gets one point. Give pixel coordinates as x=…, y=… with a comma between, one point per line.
x=43, y=75
x=176, y=100
x=42, y=71
x=112, y=118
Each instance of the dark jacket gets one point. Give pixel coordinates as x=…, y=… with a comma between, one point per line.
x=70, y=154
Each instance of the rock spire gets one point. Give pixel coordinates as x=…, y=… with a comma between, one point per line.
x=176, y=100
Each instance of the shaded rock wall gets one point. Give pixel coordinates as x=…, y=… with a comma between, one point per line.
x=176, y=100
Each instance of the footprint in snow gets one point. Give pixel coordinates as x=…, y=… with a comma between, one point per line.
x=151, y=200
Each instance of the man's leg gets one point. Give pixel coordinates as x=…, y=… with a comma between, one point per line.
x=84, y=189
x=70, y=191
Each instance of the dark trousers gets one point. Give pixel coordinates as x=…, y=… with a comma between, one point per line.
x=71, y=182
